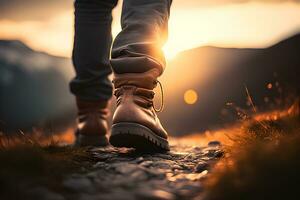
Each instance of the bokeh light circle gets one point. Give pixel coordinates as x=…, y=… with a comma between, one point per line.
x=190, y=97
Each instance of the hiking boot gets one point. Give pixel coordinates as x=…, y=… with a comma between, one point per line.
x=135, y=123
x=92, y=126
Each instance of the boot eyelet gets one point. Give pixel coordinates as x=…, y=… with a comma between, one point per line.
x=152, y=95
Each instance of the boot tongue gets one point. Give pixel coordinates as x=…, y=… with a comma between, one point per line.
x=147, y=80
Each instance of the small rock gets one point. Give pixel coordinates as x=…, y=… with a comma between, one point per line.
x=139, y=160
x=164, y=156
x=201, y=166
x=176, y=166
x=155, y=195
x=157, y=173
x=163, y=164
x=195, y=177
x=214, y=143
x=189, y=157
x=213, y=153
x=146, y=163
x=191, y=186
x=125, y=168
x=139, y=176
x=178, y=154
x=218, y=154
x=78, y=184
x=100, y=165
x=102, y=156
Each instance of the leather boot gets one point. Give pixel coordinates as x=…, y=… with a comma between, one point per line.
x=92, y=124
x=135, y=123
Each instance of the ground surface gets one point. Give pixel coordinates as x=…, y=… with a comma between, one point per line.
x=255, y=150
x=127, y=174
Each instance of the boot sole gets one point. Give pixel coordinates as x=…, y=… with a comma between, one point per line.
x=133, y=135
x=90, y=140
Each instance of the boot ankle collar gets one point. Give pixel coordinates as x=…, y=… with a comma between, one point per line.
x=147, y=80
x=147, y=94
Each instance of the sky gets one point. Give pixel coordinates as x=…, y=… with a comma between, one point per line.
x=48, y=25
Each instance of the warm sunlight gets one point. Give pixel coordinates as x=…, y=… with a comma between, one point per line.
x=169, y=52
x=190, y=97
x=54, y=36
x=235, y=25
x=149, y=99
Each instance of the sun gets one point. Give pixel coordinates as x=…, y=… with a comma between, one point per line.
x=169, y=52
x=190, y=97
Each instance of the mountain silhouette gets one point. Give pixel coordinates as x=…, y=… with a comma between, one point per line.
x=221, y=77
x=34, y=85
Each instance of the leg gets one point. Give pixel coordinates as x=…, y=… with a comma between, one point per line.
x=91, y=85
x=92, y=44
x=137, y=61
x=138, y=48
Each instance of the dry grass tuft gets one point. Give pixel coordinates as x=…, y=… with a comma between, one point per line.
x=30, y=160
x=263, y=162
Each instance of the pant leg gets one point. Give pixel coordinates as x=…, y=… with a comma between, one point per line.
x=92, y=44
x=138, y=47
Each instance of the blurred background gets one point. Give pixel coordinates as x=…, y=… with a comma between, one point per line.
x=226, y=59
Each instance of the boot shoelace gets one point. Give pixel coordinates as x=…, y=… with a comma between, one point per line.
x=117, y=92
x=162, y=98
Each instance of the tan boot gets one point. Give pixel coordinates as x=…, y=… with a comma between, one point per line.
x=135, y=123
x=92, y=124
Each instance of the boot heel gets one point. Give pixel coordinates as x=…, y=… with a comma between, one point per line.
x=91, y=140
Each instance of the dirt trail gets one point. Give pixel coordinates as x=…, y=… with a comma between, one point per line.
x=126, y=174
